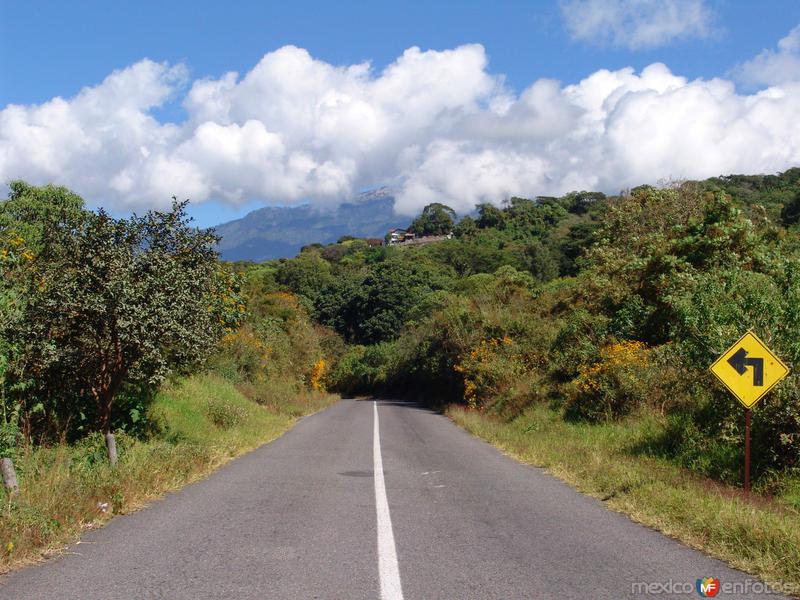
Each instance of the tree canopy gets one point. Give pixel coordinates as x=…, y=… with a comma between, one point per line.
x=111, y=304
x=435, y=219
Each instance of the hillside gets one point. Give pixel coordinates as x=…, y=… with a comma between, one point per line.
x=277, y=232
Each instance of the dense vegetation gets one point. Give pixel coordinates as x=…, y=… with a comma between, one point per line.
x=545, y=314
x=602, y=308
x=132, y=327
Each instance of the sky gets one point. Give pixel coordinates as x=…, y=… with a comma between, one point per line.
x=235, y=105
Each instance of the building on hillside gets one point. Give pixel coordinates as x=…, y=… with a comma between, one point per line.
x=401, y=237
x=398, y=236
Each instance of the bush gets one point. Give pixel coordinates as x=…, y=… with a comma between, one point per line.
x=489, y=370
x=363, y=369
x=224, y=414
x=612, y=387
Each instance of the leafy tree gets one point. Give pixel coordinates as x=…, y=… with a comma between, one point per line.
x=484, y=253
x=490, y=216
x=335, y=305
x=770, y=191
x=334, y=252
x=578, y=239
x=655, y=243
x=790, y=214
x=374, y=305
x=466, y=228
x=542, y=263
x=32, y=213
x=525, y=219
x=580, y=202
x=27, y=219
x=119, y=303
x=14, y=258
x=436, y=219
x=306, y=275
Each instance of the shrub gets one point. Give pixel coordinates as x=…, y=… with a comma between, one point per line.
x=489, y=370
x=363, y=369
x=223, y=413
x=315, y=378
x=613, y=386
x=242, y=356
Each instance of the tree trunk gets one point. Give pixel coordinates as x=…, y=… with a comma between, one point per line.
x=111, y=446
x=9, y=475
x=112, y=376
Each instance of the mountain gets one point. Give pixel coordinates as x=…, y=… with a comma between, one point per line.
x=276, y=232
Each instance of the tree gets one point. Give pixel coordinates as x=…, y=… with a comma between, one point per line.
x=14, y=257
x=27, y=218
x=466, y=228
x=579, y=202
x=388, y=294
x=790, y=214
x=373, y=305
x=112, y=303
x=31, y=213
x=577, y=240
x=542, y=263
x=305, y=275
x=436, y=219
x=490, y=216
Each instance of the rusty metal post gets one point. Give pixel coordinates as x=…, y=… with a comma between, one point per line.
x=747, y=452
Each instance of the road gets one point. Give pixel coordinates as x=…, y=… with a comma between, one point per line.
x=421, y=510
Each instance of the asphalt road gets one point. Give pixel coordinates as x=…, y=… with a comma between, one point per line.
x=330, y=510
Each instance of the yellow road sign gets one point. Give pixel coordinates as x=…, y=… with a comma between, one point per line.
x=749, y=369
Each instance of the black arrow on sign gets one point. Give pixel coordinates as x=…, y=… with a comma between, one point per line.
x=740, y=362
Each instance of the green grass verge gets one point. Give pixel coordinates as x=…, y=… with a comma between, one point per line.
x=760, y=536
x=204, y=421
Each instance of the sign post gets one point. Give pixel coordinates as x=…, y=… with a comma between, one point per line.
x=749, y=370
x=746, y=451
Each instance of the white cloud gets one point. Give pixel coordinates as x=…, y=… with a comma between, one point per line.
x=637, y=24
x=100, y=135
x=613, y=130
x=437, y=125
x=290, y=129
x=774, y=67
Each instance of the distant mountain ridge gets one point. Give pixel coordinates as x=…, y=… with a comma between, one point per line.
x=276, y=232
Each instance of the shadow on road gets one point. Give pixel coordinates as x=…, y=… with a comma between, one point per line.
x=405, y=403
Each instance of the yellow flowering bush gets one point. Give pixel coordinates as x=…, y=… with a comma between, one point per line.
x=316, y=375
x=490, y=369
x=275, y=352
x=612, y=386
x=244, y=354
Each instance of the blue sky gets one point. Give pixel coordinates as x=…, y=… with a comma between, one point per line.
x=455, y=151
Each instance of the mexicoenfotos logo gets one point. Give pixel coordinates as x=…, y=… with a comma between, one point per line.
x=708, y=587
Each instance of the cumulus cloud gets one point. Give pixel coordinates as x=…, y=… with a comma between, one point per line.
x=436, y=125
x=292, y=128
x=614, y=129
x=96, y=138
x=637, y=24
x=774, y=66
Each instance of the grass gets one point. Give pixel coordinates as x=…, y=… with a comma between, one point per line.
x=760, y=536
x=203, y=422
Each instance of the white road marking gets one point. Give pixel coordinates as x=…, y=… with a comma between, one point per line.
x=387, y=553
